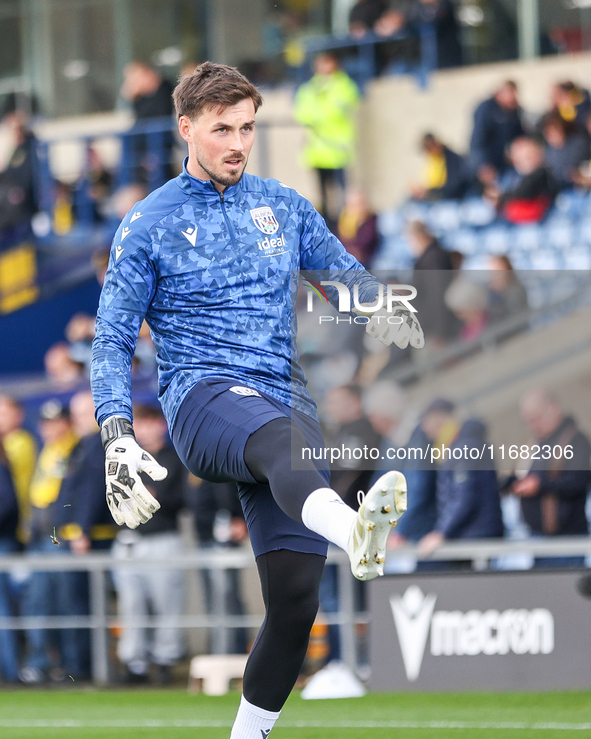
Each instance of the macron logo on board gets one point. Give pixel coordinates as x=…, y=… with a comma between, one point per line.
x=454, y=633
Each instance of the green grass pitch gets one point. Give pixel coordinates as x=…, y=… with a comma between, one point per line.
x=174, y=714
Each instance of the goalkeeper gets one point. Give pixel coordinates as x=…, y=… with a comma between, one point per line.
x=208, y=260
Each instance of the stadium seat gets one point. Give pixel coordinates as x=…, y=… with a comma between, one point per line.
x=526, y=238
x=477, y=212
x=216, y=671
x=444, y=216
x=463, y=240
x=578, y=258
x=546, y=259
x=585, y=230
x=559, y=233
x=390, y=223
x=495, y=240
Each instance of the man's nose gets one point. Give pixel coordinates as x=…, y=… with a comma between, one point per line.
x=236, y=143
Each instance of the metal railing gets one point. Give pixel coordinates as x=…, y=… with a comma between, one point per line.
x=98, y=566
x=150, y=146
x=219, y=622
x=364, y=52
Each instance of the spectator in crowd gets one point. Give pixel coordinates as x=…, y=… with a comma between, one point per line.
x=566, y=149
x=506, y=294
x=441, y=15
x=433, y=273
x=383, y=403
x=93, y=189
x=100, y=264
x=141, y=590
x=83, y=516
x=531, y=189
x=357, y=227
x=219, y=521
x=8, y=545
x=571, y=102
x=468, y=501
x=421, y=479
x=44, y=591
x=468, y=301
x=399, y=46
x=18, y=198
x=445, y=176
x=121, y=202
x=151, y=98
x=497, y=123
x=21, y=452
x=327, y=106
x=554, y=492
x=349, y=430
x=63, y=372
x=364, y=15
x=83, y=521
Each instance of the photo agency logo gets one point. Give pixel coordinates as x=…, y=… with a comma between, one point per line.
x=389, y=299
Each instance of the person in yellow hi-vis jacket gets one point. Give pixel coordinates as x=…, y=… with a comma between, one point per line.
x=21, y=452
x=43, y=590
x=327, y=107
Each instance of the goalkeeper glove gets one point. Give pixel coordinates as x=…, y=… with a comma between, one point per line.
x=128, y=499
x=399, y=326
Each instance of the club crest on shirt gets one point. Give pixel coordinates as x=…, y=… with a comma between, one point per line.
x=264, y=219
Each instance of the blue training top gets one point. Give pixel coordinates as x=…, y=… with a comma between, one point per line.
x=215, y=277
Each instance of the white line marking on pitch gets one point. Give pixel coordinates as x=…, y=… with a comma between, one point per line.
x=74, y=724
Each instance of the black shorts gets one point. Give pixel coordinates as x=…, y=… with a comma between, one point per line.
x=210, y=433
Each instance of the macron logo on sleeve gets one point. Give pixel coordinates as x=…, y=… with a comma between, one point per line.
x=191, y=235
x=135, y=216
x=118, y=251
x=126, y=231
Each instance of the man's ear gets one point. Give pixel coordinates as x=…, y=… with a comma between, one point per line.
x=185, y=128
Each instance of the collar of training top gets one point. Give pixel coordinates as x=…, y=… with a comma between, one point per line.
x=191, y=184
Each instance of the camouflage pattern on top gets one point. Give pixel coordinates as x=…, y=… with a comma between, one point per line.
x=215, y=278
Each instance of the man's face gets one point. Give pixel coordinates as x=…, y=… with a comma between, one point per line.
x=82, y=414
x=220, y=142
x=52, y=430
x=541, y=418
x=11, y=417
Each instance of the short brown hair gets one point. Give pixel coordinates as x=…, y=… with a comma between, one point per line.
x=212, y=86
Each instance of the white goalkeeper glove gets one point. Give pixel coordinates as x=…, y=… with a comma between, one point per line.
x=399, y=326
x=128, y=499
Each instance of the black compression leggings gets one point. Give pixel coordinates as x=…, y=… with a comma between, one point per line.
x=268, y=457
x=290, y=582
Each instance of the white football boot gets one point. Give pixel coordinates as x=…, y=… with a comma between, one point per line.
x=379, y=511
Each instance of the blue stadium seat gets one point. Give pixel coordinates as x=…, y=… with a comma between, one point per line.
x=390, y=222
x=558, y=232
x=527, y=238
x=547, y=259
x=477, y=212
x=585, y=230
x=578, y=257
x=572, y=203
x=495, y=239
x=464, y=240
x=444, y=216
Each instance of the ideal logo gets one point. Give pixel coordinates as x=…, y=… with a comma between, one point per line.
x=267, y=244
x=454, y=633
